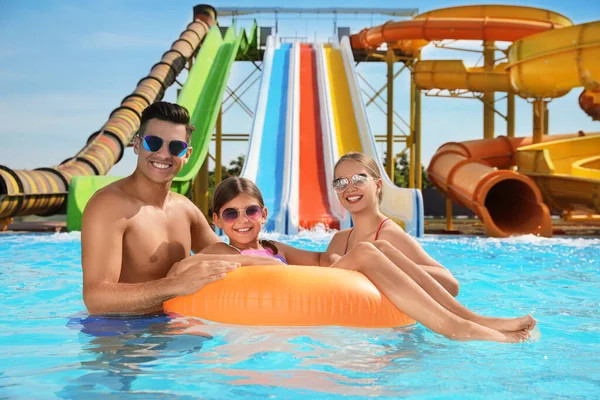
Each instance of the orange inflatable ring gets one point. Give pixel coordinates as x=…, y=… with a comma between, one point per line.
x=292, y=296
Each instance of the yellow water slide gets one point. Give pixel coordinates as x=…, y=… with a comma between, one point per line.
x=348, y=138
x=567, y=172
x=550, y=65
x=349, y=130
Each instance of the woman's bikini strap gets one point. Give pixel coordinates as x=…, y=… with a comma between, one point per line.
x=376, y=234
x=348, y=241
x=380, y=226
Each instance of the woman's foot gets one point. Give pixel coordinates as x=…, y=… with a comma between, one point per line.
x=517, y=336
x=526, y=323
x=474, y=331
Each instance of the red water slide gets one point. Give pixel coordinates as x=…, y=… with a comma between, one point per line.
x=314, y=204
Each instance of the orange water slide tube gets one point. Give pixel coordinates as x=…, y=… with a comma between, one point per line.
x=313, y=207
x=479, y=22
x=292, y=296
x=508, y=203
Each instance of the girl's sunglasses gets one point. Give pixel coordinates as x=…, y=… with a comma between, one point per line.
x=358, y=180
x=253, y=212
x=177, y=148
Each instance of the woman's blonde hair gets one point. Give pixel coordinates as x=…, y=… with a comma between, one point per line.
x=365, y=161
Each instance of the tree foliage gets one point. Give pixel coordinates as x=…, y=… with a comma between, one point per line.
x=401, y=172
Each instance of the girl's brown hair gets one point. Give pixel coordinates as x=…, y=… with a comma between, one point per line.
x=365, y=161
x=232, y=187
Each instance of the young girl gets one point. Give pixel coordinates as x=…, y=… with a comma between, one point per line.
x=410, y=281
x=239, y=210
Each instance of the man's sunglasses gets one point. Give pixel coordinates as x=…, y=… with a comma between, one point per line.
x=177, y=148
x=340, y=185
x=253, y=212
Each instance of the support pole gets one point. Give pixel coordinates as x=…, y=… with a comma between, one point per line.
x=449, y=226
x=417, y=139
x=4, y=223
x=411, y=139
x=546, y=119
x=510, y=115
x=390, y=114
x=218, y=148
x=488, y=97
x=200, y=188
x=538, y=120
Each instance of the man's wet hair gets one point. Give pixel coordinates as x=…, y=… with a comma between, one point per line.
x=169, y=112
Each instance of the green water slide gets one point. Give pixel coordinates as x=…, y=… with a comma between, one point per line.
x=211, y=82
x=202, y=95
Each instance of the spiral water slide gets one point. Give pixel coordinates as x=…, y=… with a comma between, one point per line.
x=543, y=62
x=44, y=191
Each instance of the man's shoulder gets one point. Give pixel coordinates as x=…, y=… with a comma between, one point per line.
x=109, y=200
x=183, y=202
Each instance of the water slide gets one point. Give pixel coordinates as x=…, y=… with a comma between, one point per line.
x=349, y=131
x=567, y=172
x=314, y=198
x=202, y=95
x=306, y=117
x=44, y=191
x=289, y=157
x=267, y=162
x=543, y=62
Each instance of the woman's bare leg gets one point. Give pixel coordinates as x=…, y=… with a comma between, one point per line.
x=439, y=294
x=413, y=300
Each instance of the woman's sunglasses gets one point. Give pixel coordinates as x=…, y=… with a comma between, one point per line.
x=358, y=180
x=177, y=148
x=253, y=212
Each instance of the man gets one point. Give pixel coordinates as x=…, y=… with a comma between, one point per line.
x=137, y=235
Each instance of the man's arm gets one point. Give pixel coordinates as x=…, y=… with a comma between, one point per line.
x=103, y=227
x=202, y=234
x=413, y=250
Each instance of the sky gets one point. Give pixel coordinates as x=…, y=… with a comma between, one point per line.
x=65, y=65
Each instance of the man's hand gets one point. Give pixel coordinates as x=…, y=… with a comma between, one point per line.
x=192, y=275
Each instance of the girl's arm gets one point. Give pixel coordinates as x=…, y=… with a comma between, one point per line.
x=223, y=252
x=295, y=256
x=413, y=250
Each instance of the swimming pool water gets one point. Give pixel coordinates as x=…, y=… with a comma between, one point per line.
x=50, y=348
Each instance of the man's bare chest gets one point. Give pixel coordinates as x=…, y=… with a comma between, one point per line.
x=150, y=248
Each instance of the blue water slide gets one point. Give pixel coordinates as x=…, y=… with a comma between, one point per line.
x=270, y=171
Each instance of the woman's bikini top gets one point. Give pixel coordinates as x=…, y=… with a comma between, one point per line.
x=266, y=252
x=376, y=233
